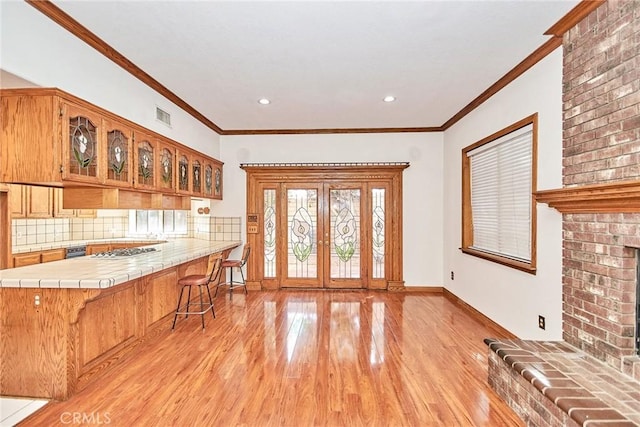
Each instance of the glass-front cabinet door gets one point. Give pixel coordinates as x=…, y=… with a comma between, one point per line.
x=196, y=176
x=166, y=168
x=217, y=181
x=145, y=153
x=118, y=155
x=184, y=173
x=81, y=153
x=207, y=185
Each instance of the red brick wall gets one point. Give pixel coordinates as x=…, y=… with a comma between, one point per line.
x=601, y=143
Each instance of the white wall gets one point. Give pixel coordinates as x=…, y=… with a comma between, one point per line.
x=510, y=297
x=35, y=48
x=422, y=182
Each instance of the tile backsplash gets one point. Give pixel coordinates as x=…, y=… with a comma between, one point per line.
x=43, y=231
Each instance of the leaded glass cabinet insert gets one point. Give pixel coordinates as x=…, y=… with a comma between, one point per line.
x=83, y=141
x=197, y=176
x=208, y=180
x=145, y=163
x=118, y=157
x=166, y=168
x=183, y=173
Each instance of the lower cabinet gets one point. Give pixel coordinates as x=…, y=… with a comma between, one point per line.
x=75, y=335
x=30, y=258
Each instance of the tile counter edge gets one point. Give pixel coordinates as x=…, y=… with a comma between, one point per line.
x=95, y=273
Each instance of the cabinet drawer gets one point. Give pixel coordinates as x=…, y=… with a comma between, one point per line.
x=53, y=255
x=22, y=260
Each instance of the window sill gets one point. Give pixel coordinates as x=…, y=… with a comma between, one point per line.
x=519, y=265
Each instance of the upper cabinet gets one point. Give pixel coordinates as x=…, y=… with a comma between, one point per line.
x=81, y=145
x=184, y=173
x=119, y=154
x=145, y=153
x=166, y=167
x=52, y=138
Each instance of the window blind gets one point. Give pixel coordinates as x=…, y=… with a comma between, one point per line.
x=501, y=195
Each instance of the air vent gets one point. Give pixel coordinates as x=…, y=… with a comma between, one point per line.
x=163, y=116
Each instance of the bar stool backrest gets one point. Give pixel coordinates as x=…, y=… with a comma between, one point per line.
x=214, y=267
x=245, y=254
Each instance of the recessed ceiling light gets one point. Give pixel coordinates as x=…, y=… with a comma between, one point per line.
x=389, y=98
x=264, y=101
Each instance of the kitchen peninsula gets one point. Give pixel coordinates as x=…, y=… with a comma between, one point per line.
x=65, y=322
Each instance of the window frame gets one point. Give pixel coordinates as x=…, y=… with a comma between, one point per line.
x=467, y=214
x=133, y=223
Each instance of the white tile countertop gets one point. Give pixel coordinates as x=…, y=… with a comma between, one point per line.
x=98, y=273
x=71, y=243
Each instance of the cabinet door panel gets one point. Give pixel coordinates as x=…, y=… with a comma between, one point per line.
x=21, y=260
x=118, y=155
x=17, y=203
x=145, y=161
x=39, y=202
x=81, y=144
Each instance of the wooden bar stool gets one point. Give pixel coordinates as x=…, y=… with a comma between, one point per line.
x=214, y=268
x=236, y=263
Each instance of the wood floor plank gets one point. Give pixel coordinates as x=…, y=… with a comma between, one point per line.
x=303, y=358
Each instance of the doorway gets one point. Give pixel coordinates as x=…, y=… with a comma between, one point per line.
x=325, y=226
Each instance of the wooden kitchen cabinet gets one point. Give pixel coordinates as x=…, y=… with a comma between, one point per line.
x=98, y=247
x=17, y=205
x=217, y=180
x=197, y=188
x=52, y=138
x=82, y=156
x=184, y=174
x=118, y=154
x=28, y=201
x=145, y=161
x=21, y=260
x=166, y=167
x=38, y=257
x=53, y=255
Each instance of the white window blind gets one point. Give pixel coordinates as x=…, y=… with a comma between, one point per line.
x=501, y=172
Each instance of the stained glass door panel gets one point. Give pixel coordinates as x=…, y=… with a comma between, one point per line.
x=343, y=237
x=303, y=259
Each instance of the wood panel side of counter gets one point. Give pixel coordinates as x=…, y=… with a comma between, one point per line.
x=75, y=335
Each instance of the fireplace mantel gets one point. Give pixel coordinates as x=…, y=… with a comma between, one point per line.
x=616, y=197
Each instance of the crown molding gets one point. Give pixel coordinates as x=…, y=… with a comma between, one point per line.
x=573, y=17
x=74, y=27
x=557, y=30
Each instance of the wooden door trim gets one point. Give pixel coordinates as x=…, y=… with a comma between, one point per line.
x=263, y=176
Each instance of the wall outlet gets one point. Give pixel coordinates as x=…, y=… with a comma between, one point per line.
x=37, y=300
x=541, y=322
x=452, y=275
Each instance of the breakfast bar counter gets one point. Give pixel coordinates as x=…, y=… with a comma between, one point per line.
x=102, y=272
x=66, y=322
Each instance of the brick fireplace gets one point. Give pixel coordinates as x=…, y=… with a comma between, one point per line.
x=601, y=149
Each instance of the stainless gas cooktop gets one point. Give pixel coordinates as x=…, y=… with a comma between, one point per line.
x=123, y=253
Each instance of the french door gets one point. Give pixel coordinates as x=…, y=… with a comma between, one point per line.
x=317, y=230
x=324, y=235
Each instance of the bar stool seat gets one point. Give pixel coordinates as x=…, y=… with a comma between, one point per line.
x=236, y=263
x=214, y=268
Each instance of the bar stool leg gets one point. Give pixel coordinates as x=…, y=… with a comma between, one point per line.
x=243, y=281
x=201, y=306
x=188, y=302
x=177, y=309
x=211, y=301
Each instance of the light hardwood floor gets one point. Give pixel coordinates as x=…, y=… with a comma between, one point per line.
x=302, y=358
